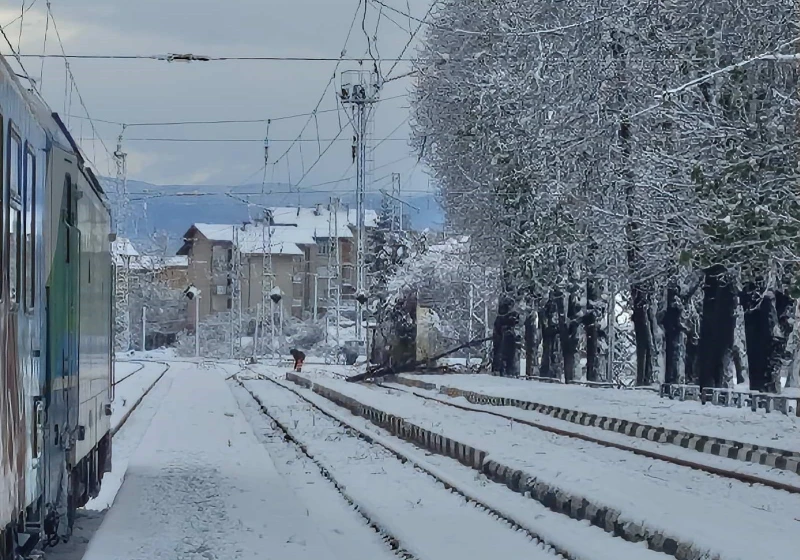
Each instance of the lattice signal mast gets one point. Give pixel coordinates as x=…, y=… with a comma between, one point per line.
x=334, y=268
x=267, y=275
x=360, y=90
x=122, y=327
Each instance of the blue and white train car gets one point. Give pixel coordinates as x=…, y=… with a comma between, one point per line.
x=56, y=343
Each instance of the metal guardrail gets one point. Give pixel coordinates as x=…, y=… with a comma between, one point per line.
x=732, y=398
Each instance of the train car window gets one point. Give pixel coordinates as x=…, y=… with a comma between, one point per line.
x=14, y=212
x=2, y=209
x=68, y=214
x=30, y=229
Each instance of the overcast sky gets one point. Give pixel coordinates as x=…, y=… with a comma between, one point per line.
x=147, y=91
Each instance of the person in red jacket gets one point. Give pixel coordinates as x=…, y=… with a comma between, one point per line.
x=299, y=358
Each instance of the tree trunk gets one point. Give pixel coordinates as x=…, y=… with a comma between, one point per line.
x=568, y=331
x=594, y=310
x=511, y=346
x=531, y=353
x=767, y=330
x=765, y=335
x=692, y=340
x=641, y=295
x=505, y=360
x=740, y=349
x=782, y=321
x=674, y=336
x=548, y=322
x=503, y=308
x=717, y=325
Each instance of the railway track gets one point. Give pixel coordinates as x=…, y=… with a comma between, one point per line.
x=495, y=518
x=139, y=400
x=131, y=374
x=747, y=478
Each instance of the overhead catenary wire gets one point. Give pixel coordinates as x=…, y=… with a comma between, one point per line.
x=260, y=140
x=411, y=37
x=203, y=58
x=19, y=61
x=74, y=84
x=21, y=25
x=22, y=15
x=342, y=54
x=148, y=194
x=226, y=121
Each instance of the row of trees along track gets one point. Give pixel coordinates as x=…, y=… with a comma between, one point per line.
x=561, y=150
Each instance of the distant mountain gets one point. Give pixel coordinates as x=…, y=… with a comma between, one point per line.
x=172, y=209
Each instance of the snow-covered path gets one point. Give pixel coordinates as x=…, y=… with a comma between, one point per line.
x=201, y=486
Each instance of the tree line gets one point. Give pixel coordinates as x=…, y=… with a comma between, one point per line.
x=636, y=149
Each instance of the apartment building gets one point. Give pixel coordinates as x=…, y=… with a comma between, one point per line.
x=296, y=244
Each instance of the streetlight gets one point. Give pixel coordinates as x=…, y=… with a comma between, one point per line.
x=193, y=293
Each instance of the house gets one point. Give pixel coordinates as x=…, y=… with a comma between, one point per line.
x=295, y=244
x=170, y=270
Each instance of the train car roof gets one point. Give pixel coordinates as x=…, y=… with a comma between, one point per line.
x=36, y=105
x=50, y=121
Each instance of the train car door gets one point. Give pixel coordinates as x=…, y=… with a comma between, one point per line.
x=62, y=342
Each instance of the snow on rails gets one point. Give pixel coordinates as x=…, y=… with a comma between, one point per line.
x=672, y=508
x=421, y=509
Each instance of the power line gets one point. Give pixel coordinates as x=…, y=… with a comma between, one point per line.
x=146, y=194
x=227, y=121
x=328, y=85
x=203, y=58
x=260, y=140
x=19, y=61
x=22, y=15
x=411, y=37
x=77, y=90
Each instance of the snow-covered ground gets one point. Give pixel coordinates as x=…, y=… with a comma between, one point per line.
x=581, y=541
x=133, y=380
x=200, y=473
x=126, y=440
x=666, y=449
x=760, y=428
x=428, y=520
x=737, y=520
x=201, y=485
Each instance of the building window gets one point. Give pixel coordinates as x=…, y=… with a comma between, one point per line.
x=30, y=229
x=323, y=247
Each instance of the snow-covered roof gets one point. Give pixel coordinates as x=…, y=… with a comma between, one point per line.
x=123, y=247
x=147, y=262
x=281, y=240
x=216, y=232
x=254, y=239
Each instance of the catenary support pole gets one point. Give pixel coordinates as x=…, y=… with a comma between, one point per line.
x=316, y=293
x=197, y=326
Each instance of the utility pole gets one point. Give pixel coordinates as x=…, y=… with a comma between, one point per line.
x=316, y=294
x=267, y=278
x=144, y=329
x=397, y=207
x=360, y=90
x=197, y=326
